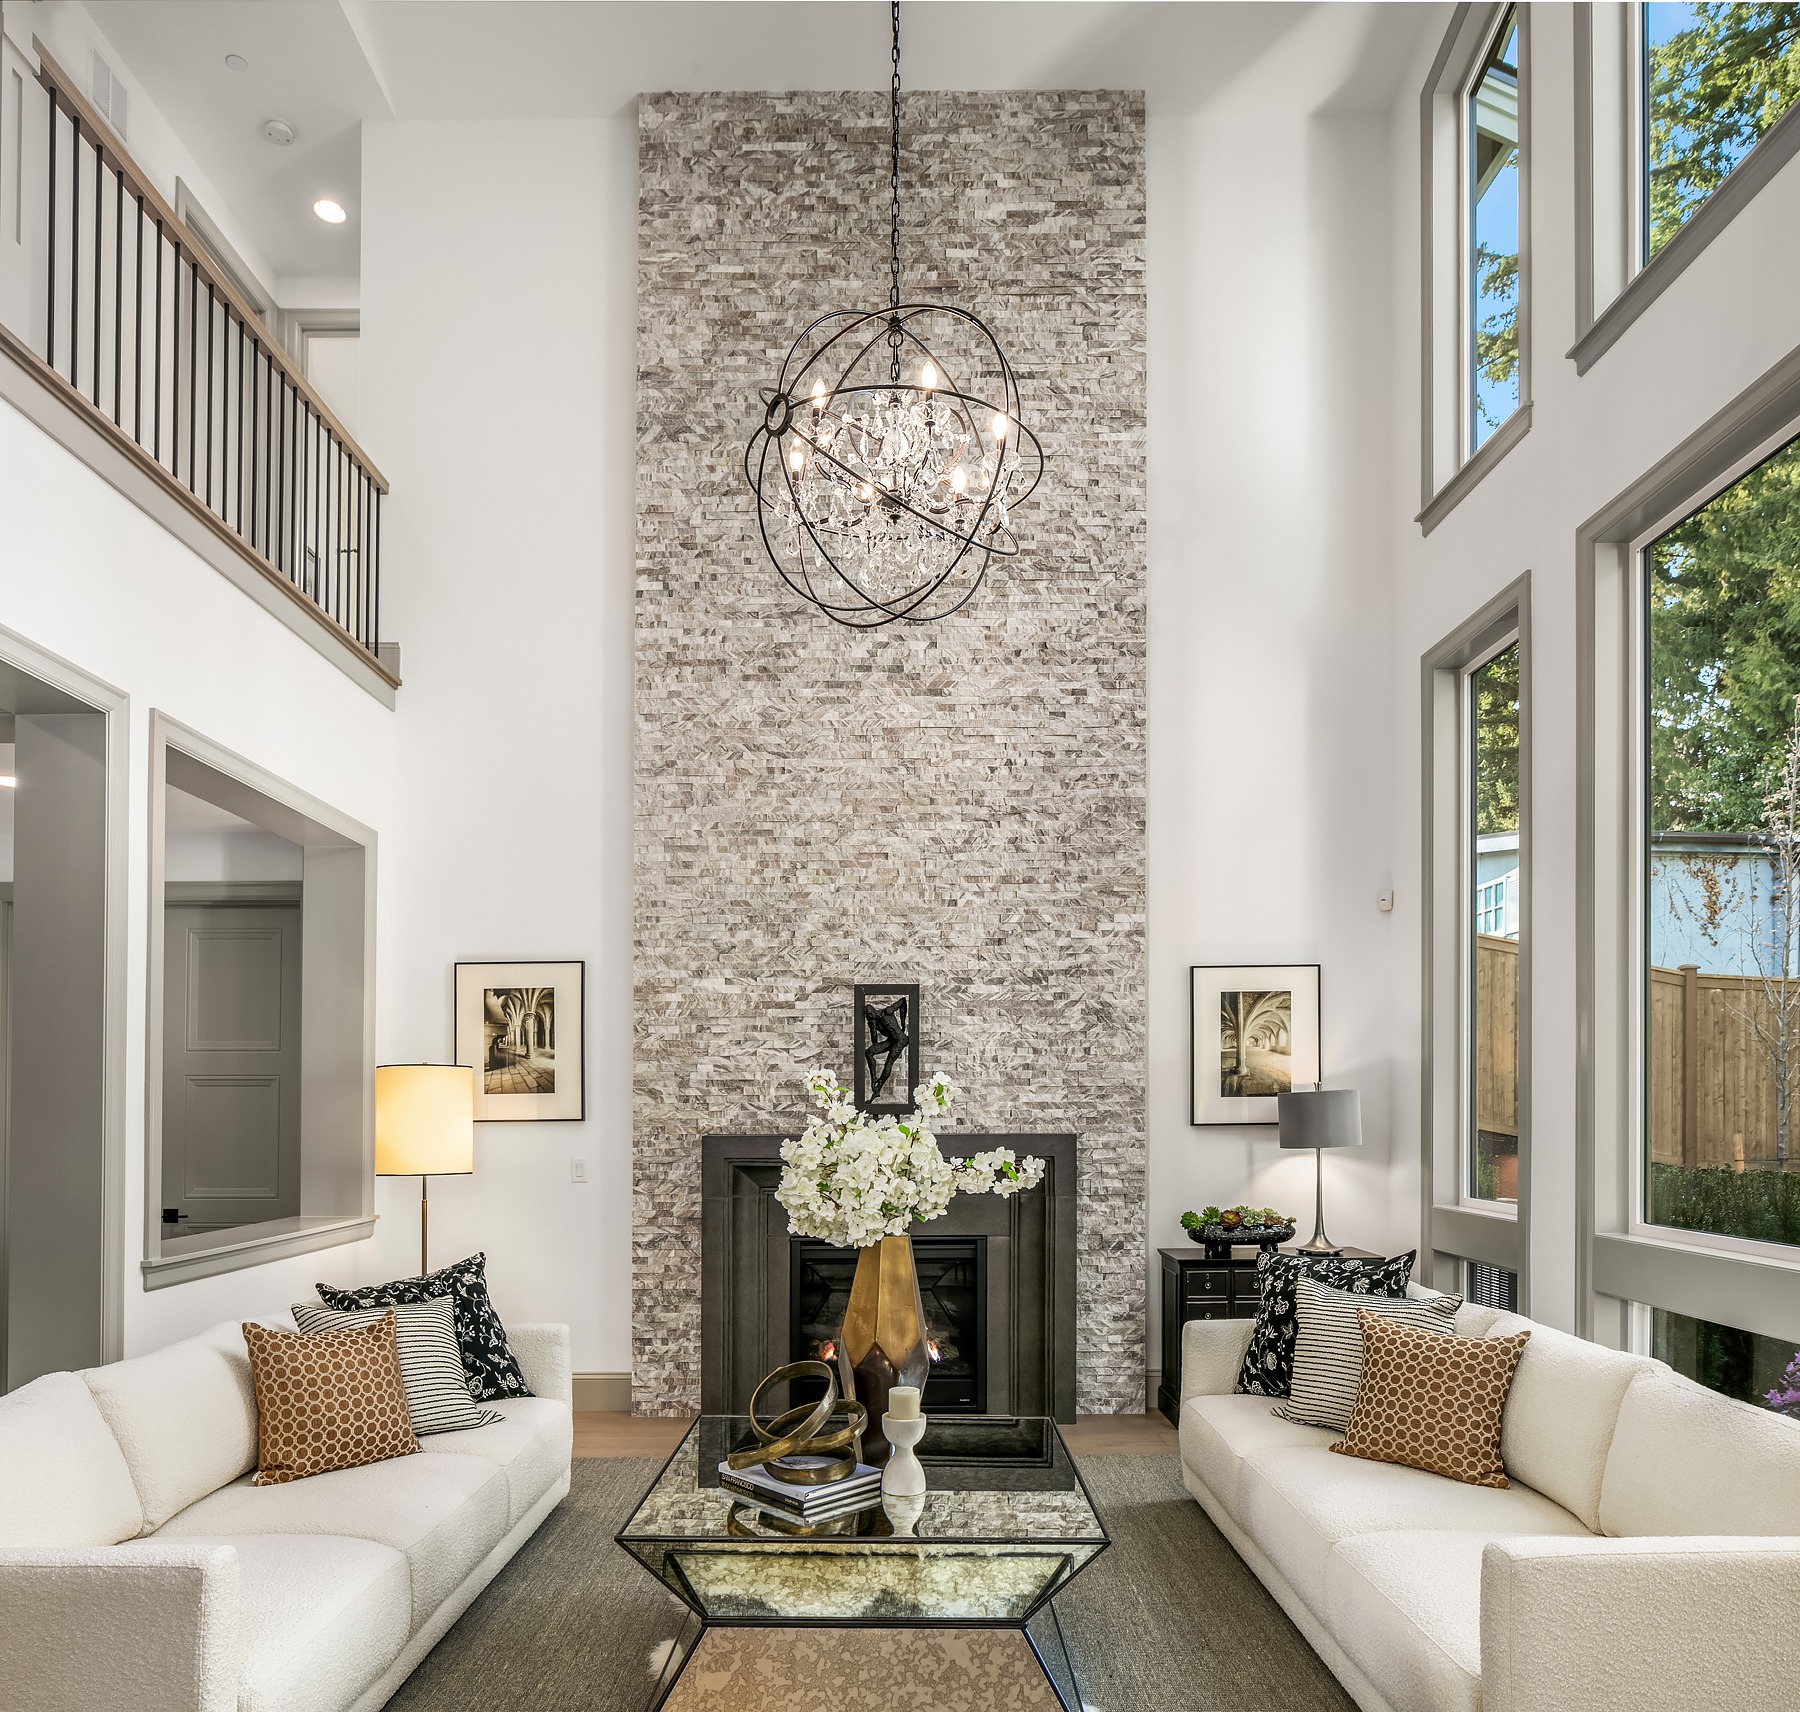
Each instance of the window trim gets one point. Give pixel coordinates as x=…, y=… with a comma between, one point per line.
x=1453, y=1224
x=339, y=864
x=1609, y=206
x=1686, y=1272
x=1449, y=470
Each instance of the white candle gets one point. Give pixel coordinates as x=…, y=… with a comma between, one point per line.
x=903, y=1402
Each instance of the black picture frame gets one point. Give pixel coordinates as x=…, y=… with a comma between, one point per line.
x=567, y=978
x=864, y=995
x=1209, y=1107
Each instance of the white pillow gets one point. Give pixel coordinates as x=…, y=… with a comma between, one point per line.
x=431, y=1367
x=63, y=1479
x=1328, y=1347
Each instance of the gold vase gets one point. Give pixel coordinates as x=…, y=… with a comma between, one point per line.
x=883, y=1341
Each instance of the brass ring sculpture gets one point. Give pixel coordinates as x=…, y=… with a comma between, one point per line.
x=800, y=1431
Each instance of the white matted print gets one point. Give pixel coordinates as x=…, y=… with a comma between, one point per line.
x=1255, y=1034
x=519, y=1026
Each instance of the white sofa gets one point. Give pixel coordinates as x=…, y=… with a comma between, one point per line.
x=141, y=1571
x=1646, y=1555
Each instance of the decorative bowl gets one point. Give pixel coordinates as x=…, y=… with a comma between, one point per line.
x=1221, y=1239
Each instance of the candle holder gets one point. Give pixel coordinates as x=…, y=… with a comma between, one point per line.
x=904, y=1475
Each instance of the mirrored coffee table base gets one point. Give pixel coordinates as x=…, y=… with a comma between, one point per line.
x=945, y=1610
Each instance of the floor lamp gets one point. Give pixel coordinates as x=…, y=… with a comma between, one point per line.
x=424, y=1128
x=1320, y=1118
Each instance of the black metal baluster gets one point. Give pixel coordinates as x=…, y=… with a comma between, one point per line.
x=255, y=424
x=137, y=336
x=99, y=263
x=209, y=390
x=74, y=252
x=375, y=583
x=240, y=426
x=155, y=373
x=318, y=496
x=337, y=535
x=278, y=475
x=193, y=377
x=50, y=298
x=118, y=289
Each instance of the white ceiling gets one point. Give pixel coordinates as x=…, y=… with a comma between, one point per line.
x=326, y=66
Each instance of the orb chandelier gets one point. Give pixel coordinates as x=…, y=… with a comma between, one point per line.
x=891, y=456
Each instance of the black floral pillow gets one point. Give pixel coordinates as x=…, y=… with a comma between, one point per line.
x=488, y=1361
x=1268, y=1369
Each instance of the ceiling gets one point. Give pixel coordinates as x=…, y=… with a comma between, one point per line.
x=327, y=66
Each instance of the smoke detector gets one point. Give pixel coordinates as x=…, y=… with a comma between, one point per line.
x=278, y=131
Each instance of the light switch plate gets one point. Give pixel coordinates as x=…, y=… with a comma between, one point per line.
x=577, y=1170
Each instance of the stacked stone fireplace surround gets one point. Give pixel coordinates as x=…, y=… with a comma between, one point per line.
x=959, y=804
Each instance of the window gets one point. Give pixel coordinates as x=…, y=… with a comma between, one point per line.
x=1716, y=79
x=1721, y=994
x=1492, y=129
x=260, y=1071
x=1492, y=953
x=1761, y=1370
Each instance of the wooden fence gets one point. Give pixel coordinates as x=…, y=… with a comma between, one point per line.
x=1712, y=1089
x=1497, y=1013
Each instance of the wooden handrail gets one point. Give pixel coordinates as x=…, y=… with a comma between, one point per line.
x=87, y=120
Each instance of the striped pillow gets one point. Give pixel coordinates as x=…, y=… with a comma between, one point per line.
x=431, y=1365
x=1328, y=1347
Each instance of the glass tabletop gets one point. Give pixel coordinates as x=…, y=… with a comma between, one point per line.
x=1006, y=1522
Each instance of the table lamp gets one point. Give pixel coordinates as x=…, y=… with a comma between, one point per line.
x=1320, y=1118
x=424, y=1127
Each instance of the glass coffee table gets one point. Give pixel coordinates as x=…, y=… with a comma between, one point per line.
x=1005, y=1526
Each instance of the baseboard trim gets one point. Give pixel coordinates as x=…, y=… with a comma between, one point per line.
x=608, y=1393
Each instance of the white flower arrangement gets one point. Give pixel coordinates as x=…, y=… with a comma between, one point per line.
x=850, y=1179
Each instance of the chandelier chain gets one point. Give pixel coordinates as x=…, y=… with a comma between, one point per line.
x=894, y=180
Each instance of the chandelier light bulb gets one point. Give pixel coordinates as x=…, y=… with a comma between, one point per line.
x=866, y=491
x=1002, y=424
x=818, y=395
x=959, y=480
x=928, y=376
x=797, y=457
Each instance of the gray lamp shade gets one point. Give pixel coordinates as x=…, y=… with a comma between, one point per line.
x=1320, y=1117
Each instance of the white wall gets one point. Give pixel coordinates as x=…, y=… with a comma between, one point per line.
x=87, y=576
x=1726, y=320
x=498, y=307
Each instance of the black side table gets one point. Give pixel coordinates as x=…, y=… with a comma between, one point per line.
x=1197, y=1287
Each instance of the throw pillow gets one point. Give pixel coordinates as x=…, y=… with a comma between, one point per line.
x=437, y=1394
x=1268, y=1368
x=487, y=1358
x=1433, y=1400
x=1328, y=1347
x=326, y=1400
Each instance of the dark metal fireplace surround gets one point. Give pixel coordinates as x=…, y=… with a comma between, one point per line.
x=997, y=1274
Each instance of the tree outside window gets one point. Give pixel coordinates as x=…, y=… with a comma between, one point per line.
x=1716, y=78
x=1493, y=133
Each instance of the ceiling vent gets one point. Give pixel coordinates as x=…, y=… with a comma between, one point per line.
x=108, y=95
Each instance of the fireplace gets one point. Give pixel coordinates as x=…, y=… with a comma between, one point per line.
x=953, y=1286
x=996, y=1273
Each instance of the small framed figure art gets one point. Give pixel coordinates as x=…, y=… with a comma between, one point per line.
x=885, y=1047
x=519, y=1025
x=1254, y=1029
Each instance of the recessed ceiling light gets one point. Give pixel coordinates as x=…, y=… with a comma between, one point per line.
x=278, y=131
x=236, y=62
x=332, y=213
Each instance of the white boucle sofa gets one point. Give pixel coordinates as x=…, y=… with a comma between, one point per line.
x=1646, y=1555
x=141, y=1571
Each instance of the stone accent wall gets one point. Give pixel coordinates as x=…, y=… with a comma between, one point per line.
x=959, y=804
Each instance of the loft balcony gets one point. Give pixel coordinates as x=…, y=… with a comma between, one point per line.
x=118, y=323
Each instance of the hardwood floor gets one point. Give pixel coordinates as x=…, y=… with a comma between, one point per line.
x=606, y=1434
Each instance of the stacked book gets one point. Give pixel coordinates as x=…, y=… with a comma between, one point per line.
x=858, y=1490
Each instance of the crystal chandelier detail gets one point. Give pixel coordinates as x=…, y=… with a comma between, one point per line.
x=891, y=456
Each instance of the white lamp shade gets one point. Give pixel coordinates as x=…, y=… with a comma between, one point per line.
x=424, y=1120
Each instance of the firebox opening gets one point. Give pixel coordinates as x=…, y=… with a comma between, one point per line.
x=953, y=1286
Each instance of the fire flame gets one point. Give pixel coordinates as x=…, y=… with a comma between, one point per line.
x=828, y=1351
x=932, y=1349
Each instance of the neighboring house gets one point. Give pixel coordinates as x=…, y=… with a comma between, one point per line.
x=1497, y=884
x=1712, y=905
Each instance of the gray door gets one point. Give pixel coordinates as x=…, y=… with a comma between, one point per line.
x=231, y=1066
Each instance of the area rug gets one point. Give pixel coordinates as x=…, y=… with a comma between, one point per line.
x=1168, y=1617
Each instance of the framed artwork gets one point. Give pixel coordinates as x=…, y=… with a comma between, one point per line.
x=519, y=1025
x=885, y=1048
x=1254, y=1029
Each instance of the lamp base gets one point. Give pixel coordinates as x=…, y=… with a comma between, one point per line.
x=1318, y=1245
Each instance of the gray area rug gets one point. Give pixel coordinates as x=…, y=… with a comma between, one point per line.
x=1169, y=1617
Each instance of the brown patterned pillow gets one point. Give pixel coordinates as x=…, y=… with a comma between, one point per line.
x=326, y=1400
x=1432, y=1400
